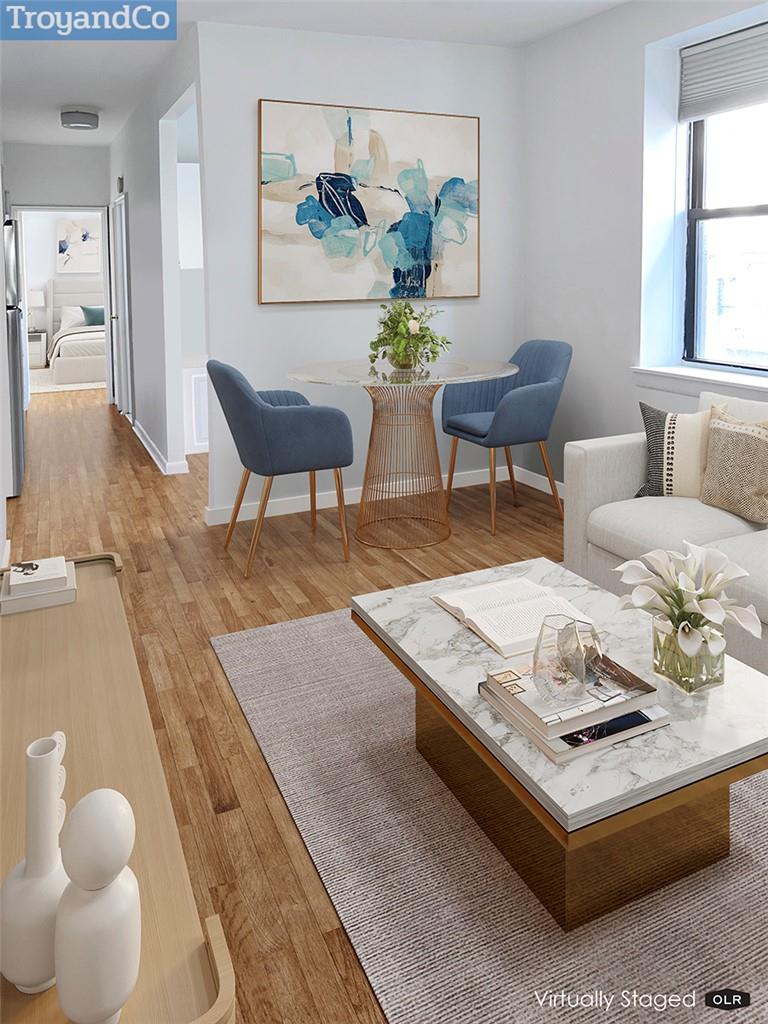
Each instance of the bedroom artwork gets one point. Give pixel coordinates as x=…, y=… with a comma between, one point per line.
x=78, y=246
x=360, y=203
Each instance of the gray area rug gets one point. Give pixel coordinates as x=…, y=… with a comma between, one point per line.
x=445, y=930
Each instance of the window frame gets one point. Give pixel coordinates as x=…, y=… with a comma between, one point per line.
x=696, y=213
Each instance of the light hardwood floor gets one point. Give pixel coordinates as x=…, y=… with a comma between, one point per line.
x=90, y=486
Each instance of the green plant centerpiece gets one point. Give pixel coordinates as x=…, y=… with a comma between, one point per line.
x=405, y=337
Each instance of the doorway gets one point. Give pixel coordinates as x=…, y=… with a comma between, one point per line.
x=65, y=303
x=183, y=279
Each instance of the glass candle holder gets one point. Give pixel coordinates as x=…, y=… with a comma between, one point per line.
x=564, y=650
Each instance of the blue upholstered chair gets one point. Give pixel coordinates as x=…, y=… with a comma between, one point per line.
x=279, y=432
x=510, y=410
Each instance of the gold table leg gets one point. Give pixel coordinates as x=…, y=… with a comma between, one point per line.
x=403, y=501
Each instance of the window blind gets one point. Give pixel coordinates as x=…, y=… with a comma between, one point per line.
x=724, y=74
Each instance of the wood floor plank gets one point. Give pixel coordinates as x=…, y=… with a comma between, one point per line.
x=91, y=486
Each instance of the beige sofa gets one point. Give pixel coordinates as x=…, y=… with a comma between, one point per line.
x=605, y=524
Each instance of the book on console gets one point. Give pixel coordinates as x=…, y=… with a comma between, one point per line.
x=589, y=740
x=507, y=614
x=37, y=576
x=611, y=690
x=11, y=602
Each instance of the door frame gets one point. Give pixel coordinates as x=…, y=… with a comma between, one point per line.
x=17, y=209
x=121, y=202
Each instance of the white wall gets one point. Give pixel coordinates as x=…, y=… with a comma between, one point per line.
x=582, y=183
x=56, y=175
x=238, y=65
x=135, y=155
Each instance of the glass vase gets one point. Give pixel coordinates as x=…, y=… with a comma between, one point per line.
x=564, y=649
x=689, y=672
x=406, y=362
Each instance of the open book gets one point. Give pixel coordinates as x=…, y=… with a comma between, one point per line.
x=508, y=614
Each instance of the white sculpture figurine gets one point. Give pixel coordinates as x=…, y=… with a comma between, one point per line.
x=98, y=926
x=31, y=892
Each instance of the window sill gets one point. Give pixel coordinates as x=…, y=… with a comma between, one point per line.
x=692, y=380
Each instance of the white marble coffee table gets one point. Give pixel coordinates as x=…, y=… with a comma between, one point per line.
x=612, y=824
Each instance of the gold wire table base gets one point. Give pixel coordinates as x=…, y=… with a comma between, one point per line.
x=403, y=501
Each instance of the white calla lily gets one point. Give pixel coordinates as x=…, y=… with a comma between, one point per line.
x=712, y=609
x=747, y=618
x=689, y=638
x=634, y=572
x=644, y=596
x=661, y=562
x=686, y=593
x=715, y=643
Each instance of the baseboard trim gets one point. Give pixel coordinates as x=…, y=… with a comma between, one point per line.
x=166, y=468
x=216, y=516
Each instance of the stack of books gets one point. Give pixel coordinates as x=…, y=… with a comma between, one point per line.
x=41, y=583
x=618, y=705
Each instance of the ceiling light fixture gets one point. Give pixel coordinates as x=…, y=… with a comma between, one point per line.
x=80, y=119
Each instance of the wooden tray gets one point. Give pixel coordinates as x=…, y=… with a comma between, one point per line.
x=73, y=668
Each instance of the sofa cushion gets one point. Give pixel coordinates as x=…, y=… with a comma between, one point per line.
x=477, y=423
x=750, y=551
x=632, y=527
x=741, y=408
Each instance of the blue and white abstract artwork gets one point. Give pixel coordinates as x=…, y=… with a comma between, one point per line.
x=359, y=203
x=78, y=246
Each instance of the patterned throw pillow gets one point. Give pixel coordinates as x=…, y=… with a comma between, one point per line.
x=677, y=451
x=736, y=478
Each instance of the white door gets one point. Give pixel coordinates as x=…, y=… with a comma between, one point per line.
x=122, y=349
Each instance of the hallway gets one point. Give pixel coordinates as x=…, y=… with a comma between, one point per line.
x=91, y=486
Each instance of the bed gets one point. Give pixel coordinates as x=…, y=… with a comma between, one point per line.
x=76, y=352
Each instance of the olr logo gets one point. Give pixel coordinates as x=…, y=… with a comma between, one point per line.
x=727, y=999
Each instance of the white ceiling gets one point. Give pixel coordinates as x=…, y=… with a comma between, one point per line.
x=38, y=78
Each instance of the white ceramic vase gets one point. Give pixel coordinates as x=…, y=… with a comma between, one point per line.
x=31, y=892
x=98, y=925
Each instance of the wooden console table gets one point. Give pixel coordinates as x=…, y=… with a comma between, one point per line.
x=74, y=668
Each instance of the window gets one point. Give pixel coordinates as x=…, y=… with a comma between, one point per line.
x=726, y=303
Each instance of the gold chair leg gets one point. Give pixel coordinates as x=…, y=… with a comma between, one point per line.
x=451, y=468
x=259, y=523
x=492, y=465
x=313, y=499
x=511, y=470
x=236, y=507
x=342, y=512
x=551, y=478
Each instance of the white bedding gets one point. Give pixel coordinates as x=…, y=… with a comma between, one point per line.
x=77, y=341
x=78, y=355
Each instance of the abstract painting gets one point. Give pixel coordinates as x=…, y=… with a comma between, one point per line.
x=78, y=246
x=360, y=203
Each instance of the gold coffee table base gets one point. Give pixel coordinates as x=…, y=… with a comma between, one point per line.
x=403, y=501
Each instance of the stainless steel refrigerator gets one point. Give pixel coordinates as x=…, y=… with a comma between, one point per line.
x=15, y=334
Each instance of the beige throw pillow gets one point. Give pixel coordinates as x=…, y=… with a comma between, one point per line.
x=736, y=477
x=677, y=451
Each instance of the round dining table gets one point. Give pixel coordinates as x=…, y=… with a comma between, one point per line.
x=403, y=502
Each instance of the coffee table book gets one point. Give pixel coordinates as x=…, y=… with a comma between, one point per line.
x=11, y=602
x=590, y=740
x=507, y=614
x=37, y=576
x=612, y=690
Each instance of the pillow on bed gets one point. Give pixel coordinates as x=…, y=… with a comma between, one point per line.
x=94, y=316
x=72, y=316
